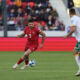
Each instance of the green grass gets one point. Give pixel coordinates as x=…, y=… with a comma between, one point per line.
x=50, y=66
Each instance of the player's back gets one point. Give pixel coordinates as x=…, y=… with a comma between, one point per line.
x=76, y=21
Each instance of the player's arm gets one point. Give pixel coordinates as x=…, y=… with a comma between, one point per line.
x=21, y=35
x=72, y=30
x=43, y=39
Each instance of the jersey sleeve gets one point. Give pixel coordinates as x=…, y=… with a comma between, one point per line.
x=39, y=31
x=73, y=23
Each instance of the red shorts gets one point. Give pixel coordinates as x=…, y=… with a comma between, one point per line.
x=31, y=47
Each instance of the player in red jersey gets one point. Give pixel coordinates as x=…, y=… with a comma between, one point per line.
x=32, y=33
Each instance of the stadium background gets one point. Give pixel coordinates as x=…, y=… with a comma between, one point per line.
x=55, y=60
x=46, y=15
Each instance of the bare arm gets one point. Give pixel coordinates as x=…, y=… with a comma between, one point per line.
x=73, y=28
x=21, y=35
x=43, y=39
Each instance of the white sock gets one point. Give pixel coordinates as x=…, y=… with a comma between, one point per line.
x=77, y=60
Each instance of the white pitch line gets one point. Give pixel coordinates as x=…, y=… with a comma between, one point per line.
x=39, y=71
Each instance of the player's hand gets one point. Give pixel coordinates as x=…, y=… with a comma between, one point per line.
x=41, y=46
x=65, y=37
x=18, y=36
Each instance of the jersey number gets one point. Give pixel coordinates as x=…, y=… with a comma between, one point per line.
x=30, y=36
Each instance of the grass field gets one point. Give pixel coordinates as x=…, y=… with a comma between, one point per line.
x=50, y=66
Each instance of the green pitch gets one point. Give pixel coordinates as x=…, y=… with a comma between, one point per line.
x=50, y=66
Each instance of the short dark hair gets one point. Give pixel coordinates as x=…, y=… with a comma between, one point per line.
x=31, y=20
x=72, y=11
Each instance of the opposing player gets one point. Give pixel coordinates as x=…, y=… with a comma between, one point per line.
x=32, y=33
x=75, y=28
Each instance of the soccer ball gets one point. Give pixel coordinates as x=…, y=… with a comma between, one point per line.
x=32, y=63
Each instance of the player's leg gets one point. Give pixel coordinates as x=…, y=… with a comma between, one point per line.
x=77, y=58
x=24, y=57
x=75, y=52
x=27, y=57
x=26, y=62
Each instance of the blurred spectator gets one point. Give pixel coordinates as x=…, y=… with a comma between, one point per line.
x=18, y=3
x=41, y=11
x=43, y=25
x=31, y=4
x=26, y=21
x=36, y=9
x=20, y=12
x=24, y=1
x=19, y=24
x=12, y=0
x=51, y=23
x=28, y=9
x=41, y=7
x=61, y=26
x=11, y=13
x=42, y=15
x=54, y=13
x=15, y=7
x=1, y=22
x=11, y=23
x=8, y=2
x=49, y=7
x=33, y=14
x=39, y=26
x=42, y=1
x=1, y=7
x=70, y=4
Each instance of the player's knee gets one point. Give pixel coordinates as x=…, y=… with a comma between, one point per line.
x=26, y=54
x=74, y=53
x=24, y=57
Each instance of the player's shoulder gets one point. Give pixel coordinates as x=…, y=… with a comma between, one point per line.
x=27, y=27
x=35, y=28
x=38, y=30
x=75, y=18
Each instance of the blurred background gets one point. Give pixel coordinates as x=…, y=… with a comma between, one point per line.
x=51, y=16
x=55, y=60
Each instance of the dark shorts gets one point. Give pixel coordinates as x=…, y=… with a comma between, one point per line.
x=77, y=47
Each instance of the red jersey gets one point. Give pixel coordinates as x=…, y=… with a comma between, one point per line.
x=32, y=35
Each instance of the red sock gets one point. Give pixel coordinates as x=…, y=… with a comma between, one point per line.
x=26, y=62
x=20, y=61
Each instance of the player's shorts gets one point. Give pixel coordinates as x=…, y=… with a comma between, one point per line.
x=77, y=47
x=32, y=48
